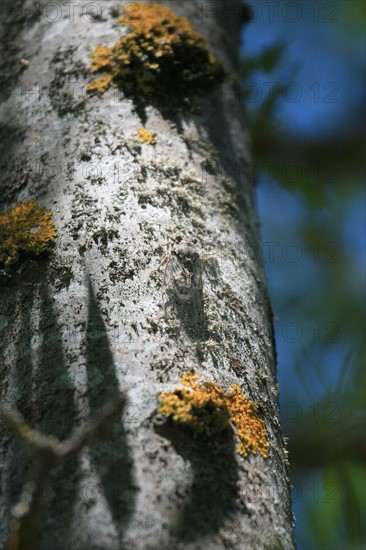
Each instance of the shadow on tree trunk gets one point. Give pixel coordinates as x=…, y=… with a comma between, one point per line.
x=44, y=396
x=43, y=393
x=55, y=397
x=109, y=456
x=214, y=489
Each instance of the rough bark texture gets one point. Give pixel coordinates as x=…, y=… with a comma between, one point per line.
x=88, y=320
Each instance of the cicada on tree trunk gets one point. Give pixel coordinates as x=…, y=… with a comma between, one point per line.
x=183, y=288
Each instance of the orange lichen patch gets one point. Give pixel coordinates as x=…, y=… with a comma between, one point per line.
x=250, y=429
x=25, y=227
x=101, y=57
x=162, y=57
x=190, y=379
x=201, y=407
x=148, y=18
x=144, y=136
x=207, y=409
x=100, y=84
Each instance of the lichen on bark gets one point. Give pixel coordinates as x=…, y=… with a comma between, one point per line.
x=25, y=228
x=207, y=409
x=89, y=320
x=163, y=60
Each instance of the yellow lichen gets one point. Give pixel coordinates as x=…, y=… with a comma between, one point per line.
x=25, y=228
x=163, y=58
x=159, y=22
x=101, y=57
x=207, y=409
x=144, y=136
x=200, y=406
x=99, y=84
x=250, y=429
x=189, y=379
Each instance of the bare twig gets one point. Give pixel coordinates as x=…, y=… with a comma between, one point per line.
x=48, y=451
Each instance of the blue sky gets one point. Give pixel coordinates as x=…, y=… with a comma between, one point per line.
x=323, y=61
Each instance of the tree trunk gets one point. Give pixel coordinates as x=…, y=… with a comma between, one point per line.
x=93, y=317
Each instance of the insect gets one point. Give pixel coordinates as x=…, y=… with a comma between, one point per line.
x=183, y=283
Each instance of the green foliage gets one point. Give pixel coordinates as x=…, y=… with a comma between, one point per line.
x=266, y=61
x=321, y=162
x=337, y=509
x=327, y=449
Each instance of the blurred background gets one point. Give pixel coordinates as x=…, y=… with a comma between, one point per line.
x=303, y=82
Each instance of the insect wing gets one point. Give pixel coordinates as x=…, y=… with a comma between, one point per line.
x=196, y=278
x=172, y=273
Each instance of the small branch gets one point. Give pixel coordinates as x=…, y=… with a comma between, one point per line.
x=34, y=440
x=85, y=435
x=48, y=451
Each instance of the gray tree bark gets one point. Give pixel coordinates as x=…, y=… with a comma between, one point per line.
x=88, y=321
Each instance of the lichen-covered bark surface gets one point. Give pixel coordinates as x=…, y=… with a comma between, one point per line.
x=88, y=320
